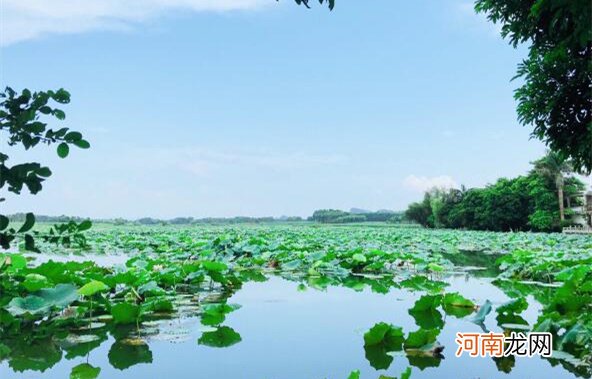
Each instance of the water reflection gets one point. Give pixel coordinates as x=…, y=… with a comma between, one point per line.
x=287, y=327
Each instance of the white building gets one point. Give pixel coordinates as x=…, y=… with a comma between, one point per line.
x=582, y=215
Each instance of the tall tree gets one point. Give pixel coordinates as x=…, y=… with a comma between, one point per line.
x=554, y=167
x=556, y=97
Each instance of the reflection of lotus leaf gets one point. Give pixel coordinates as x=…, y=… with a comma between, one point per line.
x=85, y=371
x=505, y=364
x=378, y=357
x=123, y=356
x=224, y=336
x=379, y=340
x=37, y=355
x=79, y=347
x=429, y=319
x=426, y=314
x=422, y=362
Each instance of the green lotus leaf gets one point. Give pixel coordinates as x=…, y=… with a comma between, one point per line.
x=35, y=282
x=93, y=287
x=125, y=313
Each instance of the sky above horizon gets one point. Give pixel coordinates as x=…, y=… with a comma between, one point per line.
x=222, y=108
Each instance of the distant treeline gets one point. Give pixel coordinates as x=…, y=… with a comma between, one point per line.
x=216, y=220
x=20, y=217
x=529, y=202
x=324, y=216
x=336, y=216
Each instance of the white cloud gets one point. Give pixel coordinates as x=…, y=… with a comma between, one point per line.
x=28, y=19
x=424, y=183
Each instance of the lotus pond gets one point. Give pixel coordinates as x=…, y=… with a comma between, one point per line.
x=293, y=301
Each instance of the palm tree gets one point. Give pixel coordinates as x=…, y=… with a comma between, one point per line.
x=553, y=166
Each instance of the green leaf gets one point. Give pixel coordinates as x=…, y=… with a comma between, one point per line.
x=425, y=312
x=387, y=335
x=359, y=258
x=60, y=115
x=63, y=150
x=61, y=295
x=125, y=313
x=421, y=338
x=44, y=171
x=224, y=336
x=93, y=287
x=434, y=267
x=35, y=282
x=427, y=303
x=29, y=223
x=150, y=288
x=454, y=299
x=456, y=305
x=61, y=96
x=17, y=262
x=421, y=283
x=84, y=225
x=73, y=136
x=161, y=304
x=30, y=304
x=4, y=221
x=214, y=266
x=83, y=144
x=30, y=243
x=513, y=306
x=215, y=314
x=354, y=374
x=85, y=371
x=43, y=301
x=577, y=336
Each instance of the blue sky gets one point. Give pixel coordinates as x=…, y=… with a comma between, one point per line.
x=254, y=107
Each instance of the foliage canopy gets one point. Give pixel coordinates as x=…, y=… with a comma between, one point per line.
x=22, y=116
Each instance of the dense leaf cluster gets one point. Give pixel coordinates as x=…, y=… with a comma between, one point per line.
x=178, y=272
x=556, y=97
x=527, y=202
x=22, y=116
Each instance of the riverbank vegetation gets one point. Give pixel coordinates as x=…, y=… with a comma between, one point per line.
x=539, y=201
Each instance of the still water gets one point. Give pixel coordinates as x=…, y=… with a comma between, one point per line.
x=290, y=333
